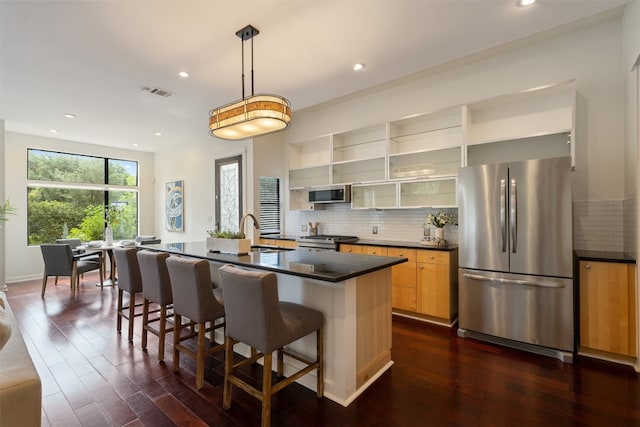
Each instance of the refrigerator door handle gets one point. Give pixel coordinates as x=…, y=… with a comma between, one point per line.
x=513, y=210
x=503, y=213
x=540, y=284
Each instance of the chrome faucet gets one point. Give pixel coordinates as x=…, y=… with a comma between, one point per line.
x=244, y=218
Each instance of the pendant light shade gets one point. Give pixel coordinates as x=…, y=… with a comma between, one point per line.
x=252, y=115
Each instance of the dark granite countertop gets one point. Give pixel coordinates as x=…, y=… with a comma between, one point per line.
x=370, y=242
x=605, y=256
x=402, y=244
x=323, y=265
x=279, y=236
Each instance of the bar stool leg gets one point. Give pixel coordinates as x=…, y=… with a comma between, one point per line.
x=145, y=323
x=163, y=332
x=266, y=390
x=177, y=331
x=132, y=309
x=202, y=330
x=320, y=358
x=119, y=311
x=228, y=369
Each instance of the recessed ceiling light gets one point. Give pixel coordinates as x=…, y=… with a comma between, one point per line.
x=135, y=144
x=359, y=66
x=53, y=130
x=523, y=3
x=183, y=74
x=158, y=133
x=69, y=115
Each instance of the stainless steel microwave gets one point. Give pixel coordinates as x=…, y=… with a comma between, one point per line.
x=333, y=194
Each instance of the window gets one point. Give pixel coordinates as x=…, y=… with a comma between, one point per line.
x=269, y=205
x=71, y=195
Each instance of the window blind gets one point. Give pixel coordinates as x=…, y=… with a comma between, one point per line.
x=269, y=205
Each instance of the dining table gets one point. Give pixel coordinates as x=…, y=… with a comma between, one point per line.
x=108, y=250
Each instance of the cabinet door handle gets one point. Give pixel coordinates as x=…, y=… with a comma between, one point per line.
x=373, y=253
x=401, y=254
x=348, y=250
x=421, y=266
x=587, y=266
x=431, y=257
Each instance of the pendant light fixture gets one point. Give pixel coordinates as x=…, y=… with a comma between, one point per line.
x=251, y=116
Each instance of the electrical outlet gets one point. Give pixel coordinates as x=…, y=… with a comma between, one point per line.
x=303, y=227
x=375, y=229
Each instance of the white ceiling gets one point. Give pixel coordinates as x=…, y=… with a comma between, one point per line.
x=92, y=58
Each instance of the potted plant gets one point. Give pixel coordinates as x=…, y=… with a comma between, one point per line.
x=228, y=242
x=6, y=209
x=439, y=220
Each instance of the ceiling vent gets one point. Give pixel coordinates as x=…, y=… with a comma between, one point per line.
x=157, y=91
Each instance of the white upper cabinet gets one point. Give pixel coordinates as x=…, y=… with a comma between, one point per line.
x=310, y=163
x=526, y=118
x=425, y=146
x=414, y=161
x=360, y=155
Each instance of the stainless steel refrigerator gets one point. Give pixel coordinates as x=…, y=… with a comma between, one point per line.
x=515, y=249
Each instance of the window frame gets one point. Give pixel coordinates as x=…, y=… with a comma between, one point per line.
x=105, y=187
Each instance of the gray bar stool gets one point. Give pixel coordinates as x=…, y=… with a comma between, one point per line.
x=156, y=289
x=193, y=298
x=255, y=316
x=129, y=280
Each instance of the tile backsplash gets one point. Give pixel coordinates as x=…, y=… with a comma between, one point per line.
x=339, y=218
x=597, y=225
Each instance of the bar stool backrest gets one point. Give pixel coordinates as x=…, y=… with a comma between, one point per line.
x=252, y=308
x=156, y=285
x=129, y=277
x=192, y=291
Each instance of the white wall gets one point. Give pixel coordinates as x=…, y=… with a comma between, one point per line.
x=592, y=56
x=25, y=262
x=631, y=37
x=3, y=250
x=195, y=164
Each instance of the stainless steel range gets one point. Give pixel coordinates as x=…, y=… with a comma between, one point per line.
x=325, y=242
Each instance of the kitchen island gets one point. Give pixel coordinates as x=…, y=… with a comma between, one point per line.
x=352, y=291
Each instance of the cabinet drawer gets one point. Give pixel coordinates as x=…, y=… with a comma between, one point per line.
x=433, y=257
x=409, y=254
x=352, y=249
x=374, y=250
x=286, y=243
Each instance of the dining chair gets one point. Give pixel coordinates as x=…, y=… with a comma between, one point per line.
x=59, y=260
x=130, y=280
x=193, y=298
x=255, y=316
x=75, y=244
x=156, y=289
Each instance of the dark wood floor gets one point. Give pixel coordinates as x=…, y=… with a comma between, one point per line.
x=92, y=376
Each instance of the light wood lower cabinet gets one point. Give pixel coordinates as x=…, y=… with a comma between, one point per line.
x=352, y=249
x=279, y=243
x=608, y=307
x=403, y=280
x=426, y=286
x=438, y=284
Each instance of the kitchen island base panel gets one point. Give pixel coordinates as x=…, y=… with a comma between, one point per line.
x=357, y=331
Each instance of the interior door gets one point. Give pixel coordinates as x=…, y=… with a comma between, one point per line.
x=228, y=193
